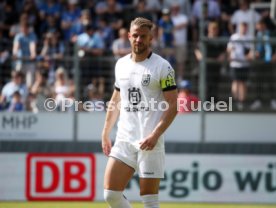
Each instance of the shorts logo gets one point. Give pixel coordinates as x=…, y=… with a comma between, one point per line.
x=145, y=79
x=149, y=173
x=134, y=96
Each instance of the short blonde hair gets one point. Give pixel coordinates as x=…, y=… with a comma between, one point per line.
x=142, y=22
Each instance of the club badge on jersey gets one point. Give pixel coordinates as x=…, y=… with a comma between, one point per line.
x=145, y=79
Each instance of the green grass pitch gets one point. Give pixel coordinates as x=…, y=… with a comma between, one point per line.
x=135, y=205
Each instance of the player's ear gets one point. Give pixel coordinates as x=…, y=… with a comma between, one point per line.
x=152, y=31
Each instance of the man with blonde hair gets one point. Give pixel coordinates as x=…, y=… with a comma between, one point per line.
x=140, y=77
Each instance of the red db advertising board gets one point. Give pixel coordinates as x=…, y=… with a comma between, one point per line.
x=61, y=177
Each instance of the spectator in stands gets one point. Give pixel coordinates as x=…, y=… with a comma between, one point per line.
x=91, y=46
x=16, y=104
x=102, y=7
x=211, y=12
x=107, y=34
x=187, y=102
x=62, y=89
x=152, y=6
x=91, y=6
x=51, y=24
x=265, y=13
x=166, y=35
x=125, y=3
x=184, y=6
x=16, y=84
x=15, y=28
x=121, y=46
x=53, y=50
x=264, y=71
x=90, y=41
x=24, y=51
x=111, y=11
x=155, y=43
x=240, y=54
x=8, y=17
x=79, y=25
x=180, y=22
x=40, y=91
x=69, y=16
x=215, y=55
x=244, y=14
x=212, y=9
x=141, y=11
x=49, y=8
x=227, y=10
x=4, y=56
x=31, y=9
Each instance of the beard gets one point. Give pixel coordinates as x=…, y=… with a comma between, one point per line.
x=140, y=49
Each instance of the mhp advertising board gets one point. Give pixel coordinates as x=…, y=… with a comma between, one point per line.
x=188, y=178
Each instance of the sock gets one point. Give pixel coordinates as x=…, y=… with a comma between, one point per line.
x=150, y=201
x=116, y=199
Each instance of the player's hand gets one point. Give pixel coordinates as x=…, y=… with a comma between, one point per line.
x=106, y=146
x=148, y=143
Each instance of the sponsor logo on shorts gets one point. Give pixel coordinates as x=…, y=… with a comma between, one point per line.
x=148, y=173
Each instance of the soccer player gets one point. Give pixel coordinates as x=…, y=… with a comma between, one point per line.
x=144, y=82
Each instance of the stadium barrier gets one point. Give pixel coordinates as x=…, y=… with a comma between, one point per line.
x=188, y=178
x=220, y=127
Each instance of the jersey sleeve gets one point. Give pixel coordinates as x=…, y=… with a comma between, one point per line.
x=116, y=84
x=167, y=77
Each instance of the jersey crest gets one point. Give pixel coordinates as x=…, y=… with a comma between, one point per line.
x=145, y=79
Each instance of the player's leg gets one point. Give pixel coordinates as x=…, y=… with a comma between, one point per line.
x=151, y=170
x=149, y=188
x=120, y=168
x=117, y=175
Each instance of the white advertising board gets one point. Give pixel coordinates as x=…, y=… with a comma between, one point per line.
x=189, y=178
x=43, y=126
x=219, y=127
x=240, y=127
x=90, y=126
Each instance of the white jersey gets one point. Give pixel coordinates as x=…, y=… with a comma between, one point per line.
x=140, y=85
x=239, y=50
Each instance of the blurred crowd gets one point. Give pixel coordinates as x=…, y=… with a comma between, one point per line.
x=36, y=36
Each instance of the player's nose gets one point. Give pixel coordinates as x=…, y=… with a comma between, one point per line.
x=139, y=39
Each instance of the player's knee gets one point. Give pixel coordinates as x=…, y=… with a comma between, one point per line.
x=112, y=196
x=116, y=199
x=150, y=201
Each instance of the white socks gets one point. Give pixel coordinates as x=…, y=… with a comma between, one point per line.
x=150, y=201
x=116, y=199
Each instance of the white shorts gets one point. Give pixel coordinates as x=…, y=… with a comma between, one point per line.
x=148, y=164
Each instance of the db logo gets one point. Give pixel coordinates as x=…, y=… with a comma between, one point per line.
x=60, y=177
